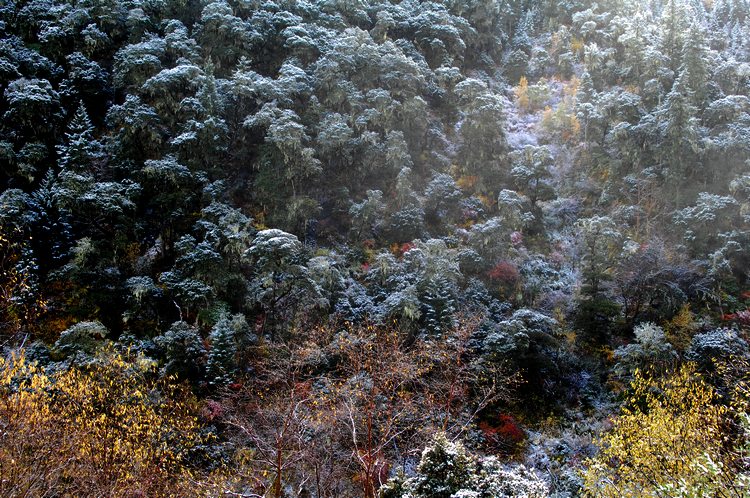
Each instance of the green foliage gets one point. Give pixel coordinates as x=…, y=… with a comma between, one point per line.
x=222, y=355
x=183, y=351
x=29, y=102
x=81, y=150
x=601, y=242
x=280, y=281
x=595, y=318
x=367, y=215
x=483, y=152
x=531, y=173
x=82, y=338
x=717, y=346
x=447, y=470
x=179, y=176
x=442, y=198
x=650, y=350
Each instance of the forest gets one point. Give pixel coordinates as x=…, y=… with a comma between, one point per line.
x=375, y=248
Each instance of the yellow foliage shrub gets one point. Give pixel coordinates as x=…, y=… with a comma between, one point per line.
x=666, y=442
x=571, y=88
x=562, y=122
x=576, y=45
x=681, y=328
x=104, y=431
x=16, y=303
x=522, y=93
x=467, y=182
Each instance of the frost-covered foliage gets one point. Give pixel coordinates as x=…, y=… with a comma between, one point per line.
x=717, y=345
x=280, y=279
x=559, y=450
x=448, y=470
x=183, y=350
x=507, y=339
x=497, y=479
x=83, y=338
x=445, y=468
x=650, y=349
x=421, y=287
x=511, y=338
x=544, y=280
x=510, y=188
x=221, y=361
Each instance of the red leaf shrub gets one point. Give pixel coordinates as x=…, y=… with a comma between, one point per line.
x=504, y=273
x=400, y=249
x=503, y=435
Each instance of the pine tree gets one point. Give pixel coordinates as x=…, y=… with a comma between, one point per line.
x=221, y=364
x=674, y=26
x=405, y=194
x=586, y=92
x=54, y=230
x=695, y=60
x=444, y=469
x=77, y=160
x=587, y=111
x=80, y=150
x=680, y=145
x=438, y=306
x=743, y=50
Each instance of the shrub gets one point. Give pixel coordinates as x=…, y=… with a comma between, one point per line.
x=651, y=348
x=84, y=338
x=666, y=436
x=503, y=435
x=504, y=273
x=183, y=350
x=716, y=345
x=448, y=470
x=104, y=431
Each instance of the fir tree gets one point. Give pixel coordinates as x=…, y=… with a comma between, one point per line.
x=80, y=150
x=674, y=26
x=695, y=61
x=680, y=133
x=438, y=306
x=221, y=364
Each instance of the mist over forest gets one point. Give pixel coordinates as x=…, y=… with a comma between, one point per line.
x=375, y=248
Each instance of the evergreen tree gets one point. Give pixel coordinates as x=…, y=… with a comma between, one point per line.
x=445, y=468
x=438, y=306
x=675, y=21
x=680, y=147
x=221, y=363
x=81, y=150
x=183, y=351
x=695, y=62
x=601, y=243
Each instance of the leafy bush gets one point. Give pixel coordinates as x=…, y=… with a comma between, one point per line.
x=665, y=436
x=83, y=338
x=650, y=349
x=108, y=430
x=183, y=351
x=503, y=435
x=716, y=345
x=448, y=470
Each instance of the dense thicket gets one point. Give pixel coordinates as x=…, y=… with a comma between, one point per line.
x=518, y=203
